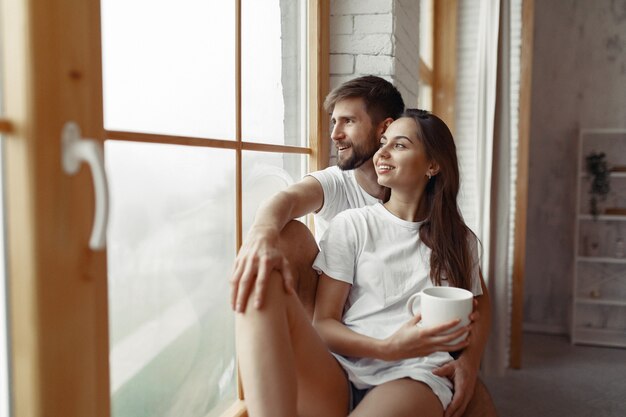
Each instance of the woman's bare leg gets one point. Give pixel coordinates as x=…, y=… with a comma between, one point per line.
x=286, y=368
x=400, y=398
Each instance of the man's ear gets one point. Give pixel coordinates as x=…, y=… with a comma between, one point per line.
x=382, y=126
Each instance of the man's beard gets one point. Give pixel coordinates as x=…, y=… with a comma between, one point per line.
x=360, y=154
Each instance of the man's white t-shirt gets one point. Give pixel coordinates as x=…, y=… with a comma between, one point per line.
x=341, y=192
x=384, y=260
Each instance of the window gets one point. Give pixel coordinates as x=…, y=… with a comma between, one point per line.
x=426, y=59
x=4, y=331
x=437, y=66
x=207, y=113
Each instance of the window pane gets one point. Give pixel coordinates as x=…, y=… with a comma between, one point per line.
x=425, y=97
x=427, y=16
x=170, y=251
x=169, y=67
x=4, y=335
x=264, y=174
x=273, y=72
x=4, y=340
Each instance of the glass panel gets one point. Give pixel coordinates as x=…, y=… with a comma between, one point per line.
x=425, y=96
x=169, y=67
x=4, y=334
x=427, y=16
x=273, y=71
x=170, y=251
x=264, y=174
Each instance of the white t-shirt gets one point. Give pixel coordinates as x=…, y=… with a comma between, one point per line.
x=341, y=192
x=384, y=260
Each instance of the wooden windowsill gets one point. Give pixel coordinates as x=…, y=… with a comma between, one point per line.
x=238, y=409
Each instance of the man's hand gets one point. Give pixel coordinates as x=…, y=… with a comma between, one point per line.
x=463, y=377
x=462, y=373
x=258, y=257
x=475, y=315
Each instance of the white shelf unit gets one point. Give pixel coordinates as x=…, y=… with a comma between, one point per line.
x=599, y=297
x=601, y=260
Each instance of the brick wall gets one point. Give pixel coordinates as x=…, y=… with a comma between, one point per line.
x=378, y=37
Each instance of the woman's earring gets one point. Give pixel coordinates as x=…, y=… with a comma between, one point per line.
x=429, y=175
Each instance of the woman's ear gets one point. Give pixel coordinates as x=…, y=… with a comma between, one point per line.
x=433, y=169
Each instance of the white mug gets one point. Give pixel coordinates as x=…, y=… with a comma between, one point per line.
x=441, y=305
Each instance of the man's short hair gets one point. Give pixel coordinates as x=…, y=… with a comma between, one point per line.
x=381, y=98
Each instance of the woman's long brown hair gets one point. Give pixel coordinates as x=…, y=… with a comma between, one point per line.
x=444, y=230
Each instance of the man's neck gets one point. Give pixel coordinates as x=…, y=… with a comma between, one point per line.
x=368, y=180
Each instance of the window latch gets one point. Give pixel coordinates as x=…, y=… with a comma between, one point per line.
x=74, y=151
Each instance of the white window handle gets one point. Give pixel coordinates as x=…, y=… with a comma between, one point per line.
x=74, y=151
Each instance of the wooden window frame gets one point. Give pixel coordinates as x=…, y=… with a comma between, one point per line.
x=521, y=186
x=318, y=14
x=318, y=119
x=444, y=60
x=441, y=77
x=59, y=349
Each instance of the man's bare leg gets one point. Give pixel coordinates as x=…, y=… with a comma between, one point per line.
x=300, y=249
x=481, y=404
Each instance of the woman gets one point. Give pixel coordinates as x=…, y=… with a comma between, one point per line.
x=371, y=261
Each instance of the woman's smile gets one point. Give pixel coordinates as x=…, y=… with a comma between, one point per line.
x=382, y=169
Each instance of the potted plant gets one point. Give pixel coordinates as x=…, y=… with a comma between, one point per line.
x=596, y=167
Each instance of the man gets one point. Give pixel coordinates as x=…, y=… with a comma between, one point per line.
x=362, y=109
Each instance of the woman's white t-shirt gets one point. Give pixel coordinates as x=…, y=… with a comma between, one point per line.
x=384, y=260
